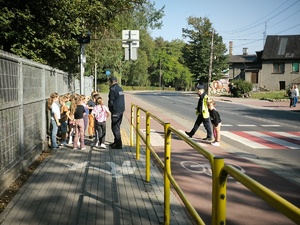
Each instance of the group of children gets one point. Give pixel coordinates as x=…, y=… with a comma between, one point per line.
x=72, y=114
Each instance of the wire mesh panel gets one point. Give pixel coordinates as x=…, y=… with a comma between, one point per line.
x=25, y=87
x=63, y=82
x=9, y=83
x=9, y=138
x=32, y=83
x=50, y=82
x=33, y=125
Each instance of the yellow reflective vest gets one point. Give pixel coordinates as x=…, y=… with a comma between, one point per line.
x=205, y=112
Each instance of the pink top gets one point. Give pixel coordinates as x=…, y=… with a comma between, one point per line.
x=100, y=112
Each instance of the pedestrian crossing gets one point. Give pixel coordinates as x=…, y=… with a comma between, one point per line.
x=265, y=139
x=253, y=139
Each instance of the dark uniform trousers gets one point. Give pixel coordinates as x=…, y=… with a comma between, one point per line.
x=116, y=120
x=206, y=124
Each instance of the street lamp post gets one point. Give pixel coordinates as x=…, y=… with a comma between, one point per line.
x=82, y=40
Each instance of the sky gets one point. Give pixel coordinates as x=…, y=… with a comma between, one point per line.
x=240, y=21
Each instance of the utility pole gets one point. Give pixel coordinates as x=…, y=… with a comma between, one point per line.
x=210, y=62
x=159, y=72
x=265, y=34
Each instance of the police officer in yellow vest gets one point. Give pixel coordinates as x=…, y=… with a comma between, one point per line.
x=203, y=116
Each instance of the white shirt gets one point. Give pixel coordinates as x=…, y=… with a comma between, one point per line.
x=55, y=110
x=297, y=92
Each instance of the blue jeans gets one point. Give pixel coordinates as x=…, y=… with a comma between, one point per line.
x=53, y=134
x=295, y=101
x=63, y=129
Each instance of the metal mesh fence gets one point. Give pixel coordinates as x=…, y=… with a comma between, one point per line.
x=25, y=87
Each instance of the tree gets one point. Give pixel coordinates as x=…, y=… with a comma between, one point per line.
x=109, y=52
x=167, y=67
x=196, y=52
x=47, y=30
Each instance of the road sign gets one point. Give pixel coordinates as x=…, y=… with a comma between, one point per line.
x=130, y=37
x=130, y=53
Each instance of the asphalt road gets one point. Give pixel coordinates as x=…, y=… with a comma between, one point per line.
x=273, y=165
x=235, y=120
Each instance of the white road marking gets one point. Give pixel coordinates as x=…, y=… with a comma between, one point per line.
x=156, y=140
x=242, y=140
x=273, y=139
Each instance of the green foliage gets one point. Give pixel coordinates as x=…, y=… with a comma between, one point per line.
x=269, y=95
x=46, y=30
x=197, y=51
x=167, y=67
x=241, y=87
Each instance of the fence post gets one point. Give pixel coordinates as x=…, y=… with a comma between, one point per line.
x=137, y=142
x=218, y=193
x=147, y=146
x=131, y=125
x=167, y=170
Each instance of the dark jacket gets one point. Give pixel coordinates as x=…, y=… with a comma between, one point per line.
x=116, y=100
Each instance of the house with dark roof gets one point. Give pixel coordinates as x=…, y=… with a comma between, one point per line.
x=280, y=62
x=274, y=68
x=246, y=67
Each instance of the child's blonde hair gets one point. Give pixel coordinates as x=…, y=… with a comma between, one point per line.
x=51, y=99
x=211, y=102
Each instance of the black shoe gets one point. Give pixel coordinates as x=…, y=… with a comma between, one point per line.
x=188, y=134
x=115, y=146
x=111, y=144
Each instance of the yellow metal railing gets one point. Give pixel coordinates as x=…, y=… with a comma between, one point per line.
x=220, y=172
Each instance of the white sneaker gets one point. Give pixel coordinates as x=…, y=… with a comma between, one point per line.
x=95, y=145
x=102, y=146
x=215, y=143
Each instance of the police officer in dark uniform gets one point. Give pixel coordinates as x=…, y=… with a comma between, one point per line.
x=116, y=105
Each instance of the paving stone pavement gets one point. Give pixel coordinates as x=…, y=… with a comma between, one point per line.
x=93, y=186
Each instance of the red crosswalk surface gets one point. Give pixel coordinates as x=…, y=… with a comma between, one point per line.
x=265, y=139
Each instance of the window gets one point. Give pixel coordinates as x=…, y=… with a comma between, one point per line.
x=295, y=67
x=278, y=67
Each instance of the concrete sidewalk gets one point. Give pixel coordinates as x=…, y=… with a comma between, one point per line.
x=94, y=186
x=282, y=104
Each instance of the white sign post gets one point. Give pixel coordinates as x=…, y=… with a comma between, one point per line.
x=130, y=41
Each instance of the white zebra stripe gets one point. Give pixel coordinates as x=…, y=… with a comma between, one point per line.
x=242, y=140
x=274, y=139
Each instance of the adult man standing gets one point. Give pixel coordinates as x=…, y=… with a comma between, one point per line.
x=116, y=105
x=203, y=116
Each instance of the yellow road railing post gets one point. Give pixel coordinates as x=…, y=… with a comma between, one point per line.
x=137, y=126
x=219, y=193
x=167, y=170
x=147, y=146
x=131, y=125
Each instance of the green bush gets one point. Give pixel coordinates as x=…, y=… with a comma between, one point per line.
x=241, y=87
x=105, y=88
